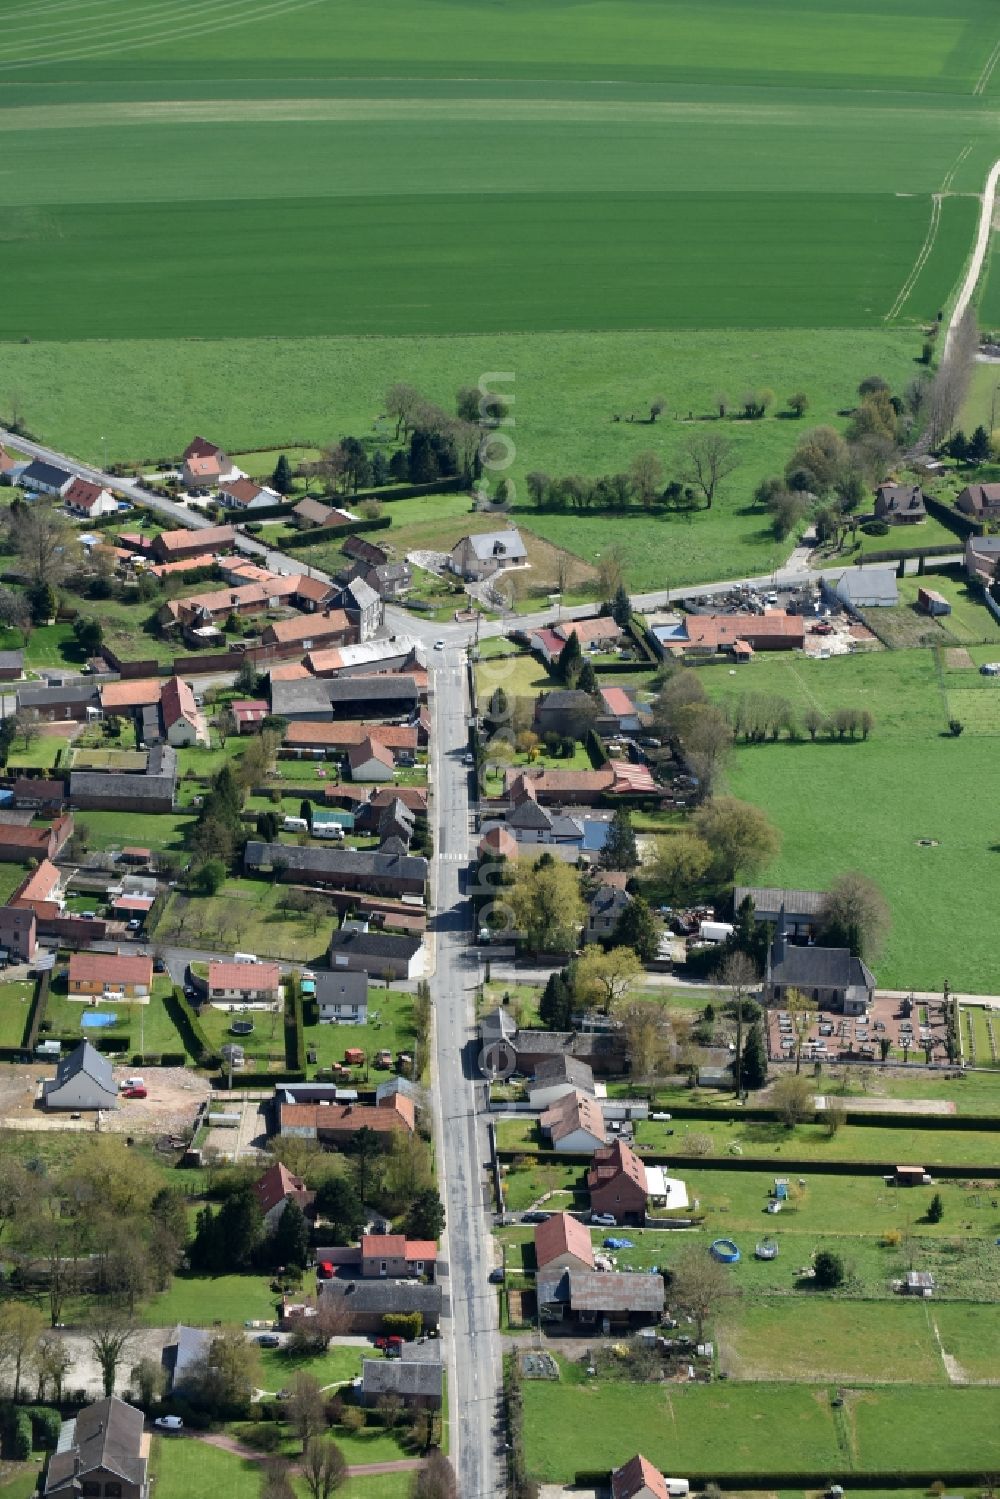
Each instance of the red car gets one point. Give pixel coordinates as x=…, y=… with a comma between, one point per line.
x=135, y=1093
x=324, y=1270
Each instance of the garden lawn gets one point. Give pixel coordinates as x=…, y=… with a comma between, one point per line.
x=715, y=1429
x=156, y=830
x=969, y=622
x=265, y=1046
x=44, y=751
x=969, y=1333
x=15, y=1004
x=245, y=914
x=810, y=1338
x=922, y=776
x=11, y=876
x=336, y=1366
x=202, y=1300
x=148, y=1027
x=390, y=1026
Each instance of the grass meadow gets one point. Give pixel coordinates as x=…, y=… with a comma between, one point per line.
x=865, y=805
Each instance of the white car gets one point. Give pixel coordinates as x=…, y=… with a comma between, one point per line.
x=605, y=1220
x=169, y=1423
x=439, y=645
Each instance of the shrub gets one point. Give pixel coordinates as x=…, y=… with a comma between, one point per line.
x=875, y=528
x=829, y=1270
x=406, y=1325
x=45, y=1425
x=20, y=1436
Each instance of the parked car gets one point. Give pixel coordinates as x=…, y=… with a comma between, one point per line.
x=536, y=1217
x=604, y=1220
x=134, y=1093
x=439, y=645
x=169, y=1423
x=496, y=1276
x=269, y=1340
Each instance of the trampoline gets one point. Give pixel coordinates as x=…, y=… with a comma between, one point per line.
x=725, y=1251
x=95, y=1019
x=241, y=1028
x=767, y=1249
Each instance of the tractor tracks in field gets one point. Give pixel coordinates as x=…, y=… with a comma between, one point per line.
x=932, y=230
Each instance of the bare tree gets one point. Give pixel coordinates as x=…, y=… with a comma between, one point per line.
x=709, y=459
x=275, y=1482
x=109, y=1337
x=323, y=1467
x=646, y=473
x=47, y=544
x=53, y=1362
x=26, y=725
x=740, y=976
x=611, y=570
x=435, y=1480
x=225, y=725
x=305, y=1407
x=700, y=1284
x=951, y=382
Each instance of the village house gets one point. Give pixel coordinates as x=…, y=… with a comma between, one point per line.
x=362, y=1305
x=982, y=557
x=547, y=643
x=390, y=580
x=362, y=605
x=84, y=1082
x=562, y=1242
x=88, y=501
x=574, y=1123
x=603, y=1301
x=618, y=715
x=244, y=983
x=605, y=909
x=18, y=933
x=638, y=1479
x=44, y=478
x=247, y=494
x=314, y=513
x=616, y=1181
x=482, y=555
x=19, y=843
x=599, y=634
x=103, y=1450
x=799, y=910
x=73, y=701
x=122, y=699
x=342, y=998
x=555, y=1077
x=566, y=711
x=387, y=955
x=371, y=760
x=346, y=734
x=304, y=632
x=497, y=843
x=398, y=654
x=395, y=1257
x=900, y=504
x=183, y=721
x=11, y=666
x=204, y=465
x=580, y=787
x=110, y=976
x=981, y=501
x=418, y=1383
x=276, y=1189
x=244, y=600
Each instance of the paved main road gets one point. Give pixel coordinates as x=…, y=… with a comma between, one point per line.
x=472, y=1336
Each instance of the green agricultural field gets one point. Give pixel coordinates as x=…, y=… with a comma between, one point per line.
x=811, y=1338
x=922, y=775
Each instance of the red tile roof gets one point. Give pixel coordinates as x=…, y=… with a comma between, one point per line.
x=617, y=701
x=276, y=1184
x=177, y=703
x=248, y=977
x=209, y=539
x=38, y=887
x=499, y=841
x=572, y=1112
x=370, y=749
x=200, y=447
x=563, y=1234
x=309, y=627
x=82, y=494
x=396, y=1247
x=637, y=1476
x=711, y=631
x=141, y=692
x=589, y=630
x=347, y=1117
x=614, y=1160
x=344, y=735
x=104, y=968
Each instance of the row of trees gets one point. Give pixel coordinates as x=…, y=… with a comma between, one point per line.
x=707, y=459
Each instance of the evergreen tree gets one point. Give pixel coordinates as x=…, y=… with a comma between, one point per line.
x=267, y=826
x=979, y=446
x=749, y=935
x=281, y=479
x=240, y=1228
x=570, y=660
x=380, y=469
x=206, y=1249
x=638, y=929
x=587, y=680
x=425, y=1215
x=290, y=1240
x=338, y=1202
x=399, y=466
x=754, y=1058
x=42, y=602
x=619, y=851
x=306, y=812
x=621, y=607
x=556, y=1004
x=958, y=447
x=423, y=464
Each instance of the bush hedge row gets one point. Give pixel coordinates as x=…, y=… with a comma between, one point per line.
x=190, y=1029
x=889, y=1478
x=36, y=1013
x=335, y=534
x=962, y=525
x=754, y=1163
x=295, y=1041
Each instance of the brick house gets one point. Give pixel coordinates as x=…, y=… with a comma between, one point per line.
x=110, y=975
x=244, y=983
x=616, y=1181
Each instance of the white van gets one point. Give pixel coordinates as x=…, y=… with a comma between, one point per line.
x=244, y=957
x=677, y=1487
x=329, y=830
x=295, y=825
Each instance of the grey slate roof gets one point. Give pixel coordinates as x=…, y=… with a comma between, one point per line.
x=10, y=659
x=817, y=967
x=341, y=988
x=361, y=863
x=608, y=900
x=88, y=1060
x=387, y=687
x=39, y=472
x=497, y=543
x=563, y=1069
x=609, y=1291
x=497, y=1025
x=105, y=1435
x=868, y=582
x=42, y=696
x=383, y=1296
x=186, y=1348
x=373, y=945
x=768, y=898
x=399, y=1376
x=358, y=594
x=305, y=695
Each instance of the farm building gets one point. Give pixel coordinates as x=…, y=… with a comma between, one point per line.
x=865, y=588
x=932, y=602
x=799, y=910
x=600, y=1300
x=362, y=1304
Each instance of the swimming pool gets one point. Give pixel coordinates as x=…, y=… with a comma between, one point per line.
x=95, y=1019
